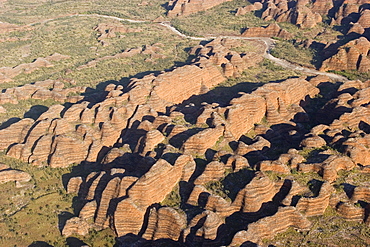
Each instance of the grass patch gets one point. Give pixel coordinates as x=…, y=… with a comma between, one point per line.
x=218, y=20
x=328, y=229
x=173, y=199
x=31, y=108
x=30, y=11
x=217, y=188
x=294, y=53
x=74, y=36
x=30, y=212
x=353, y=75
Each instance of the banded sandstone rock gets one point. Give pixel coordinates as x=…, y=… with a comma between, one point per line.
x=11, y=175
x=165, y=223
x=268, y=227
x=272, y=30
x=250, y=199
x=316, y=205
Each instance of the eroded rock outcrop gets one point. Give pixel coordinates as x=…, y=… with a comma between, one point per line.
x=11, y=175
x=187, y=7
x=316, y=205
x=351, y=56
x=261, y=189
x=268, y=227
x=272, y=30
x=7, y=73
x=212, y=162
x=165, y=223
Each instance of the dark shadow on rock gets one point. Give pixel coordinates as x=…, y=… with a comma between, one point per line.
x=81, y=170
x=249, y=244
x=191, y=237
x=283, y=191
x=195, y=240
x=234, y=182
x=199, y=169
x=35, y=111
x=62, y=219
x=9, y=122
x=203, y=199
x=131, y=240
x=239, y=221
x=178, y=140
x=254, y=157
x=170, y=157
x=221, y=94
x=349, y=189
x=166, y=243
x=364, y=127
x=315, y=156
x=75, y=242
x=185, y=189
x=39, y=244
x=315, y=186
x=144, y=226
x=135, y=240
x=77, y=205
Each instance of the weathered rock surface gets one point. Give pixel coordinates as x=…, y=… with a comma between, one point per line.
x=316, y=205
x=187, y=7
x=155, y=184
x=351, y=56
x=11, y=175
x=249, y=8
x=272, y=30
x=261, y=189
x=209, y=223
x=7, y=73
x=165, y=223
x=75, y=226
x=268, y=227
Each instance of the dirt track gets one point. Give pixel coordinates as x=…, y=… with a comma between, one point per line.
x=268, y=42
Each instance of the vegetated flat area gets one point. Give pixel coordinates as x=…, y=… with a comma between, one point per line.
x=75, y=37
x=32, y=214
x=31, y=11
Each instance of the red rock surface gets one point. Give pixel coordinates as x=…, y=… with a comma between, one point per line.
x=12, y=175
x=351, y=56
x=267, y=227
x=272, y=30
x=188, y=7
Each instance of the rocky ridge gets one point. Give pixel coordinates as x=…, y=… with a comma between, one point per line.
x=8, y=73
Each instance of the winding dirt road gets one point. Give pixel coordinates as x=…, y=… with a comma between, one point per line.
x=269, y=45
x=268, y=42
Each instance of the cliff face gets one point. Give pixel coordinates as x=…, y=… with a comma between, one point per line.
x=351, y=56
